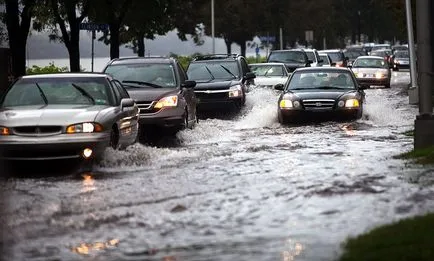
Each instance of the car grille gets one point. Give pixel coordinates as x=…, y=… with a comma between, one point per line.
x=212, y=96
x=38, y=130
x=146, y=107
x=318, y=104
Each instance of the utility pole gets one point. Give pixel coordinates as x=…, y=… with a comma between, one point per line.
x=212, y=27
x=424, y=123
x=413, y=90
x=281, y=38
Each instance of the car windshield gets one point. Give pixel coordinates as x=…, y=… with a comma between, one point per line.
x=402, y=54
x=380, y=46
x=370, y=63
x=58, y=91
x=325, y=59
x=268, y=70
x=155, y=74
x=353, y=54
x=335, y=56
x=321, y=80
x=211, y=70
x=288, y=57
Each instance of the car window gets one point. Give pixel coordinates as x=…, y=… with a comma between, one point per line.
x=313, y=80
x=244, y=66
x=123, y=93
x=325, y=59
x=182, y=73
x=336, y=56
x=268, y=70
x=402, y=54
x=220, y=70
x=370, y=63
x=162, y=74
x=64, y=91
x=285, y=57
x=311, y=56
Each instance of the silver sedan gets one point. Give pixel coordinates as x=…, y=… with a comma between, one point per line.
x=65, y=116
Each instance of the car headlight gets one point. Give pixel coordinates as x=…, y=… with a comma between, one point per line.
x=4, y=131
x=169, y=101
x=235, y=91
x=352, y=103
x=380, y=75
x=86, y=127
x=288, y=102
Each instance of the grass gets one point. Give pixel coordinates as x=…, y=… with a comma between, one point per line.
x=409, y=133
x=406, y=240
x=420, y=156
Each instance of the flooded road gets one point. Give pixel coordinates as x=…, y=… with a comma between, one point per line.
x=243, y=188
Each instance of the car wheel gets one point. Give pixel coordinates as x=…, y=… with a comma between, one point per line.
x=185, y=124
x=281, y=119
x=114, y=138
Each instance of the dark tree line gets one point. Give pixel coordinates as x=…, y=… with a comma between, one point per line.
x=236, y=21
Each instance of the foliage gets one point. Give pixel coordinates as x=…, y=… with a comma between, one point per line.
x=51, y=68
x=406, y=240
x=253, y=59
x=419, y=156
x=183, y=60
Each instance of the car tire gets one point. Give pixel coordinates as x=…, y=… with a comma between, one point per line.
x=281, y=119
x=114, y=138
x=185, y=124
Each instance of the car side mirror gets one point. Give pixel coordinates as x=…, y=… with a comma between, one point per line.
x=188, y=84
x=363, y=87
x=333, y=64
x=249, y=76
x=127, y=102
x=279, y=87
x=349, y=65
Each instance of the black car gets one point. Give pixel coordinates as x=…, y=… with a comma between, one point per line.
x=293, y=58
x=337, y=56
x=222, y=81
x=324, y=93
x=161, y=89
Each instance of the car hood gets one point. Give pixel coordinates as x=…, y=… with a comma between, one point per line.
x=150, y=94
x=321, y=94
x=272, y=80
x=53, y=115
x=215, y=85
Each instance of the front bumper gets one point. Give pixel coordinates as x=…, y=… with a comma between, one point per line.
x=373, y=81
x=331, y=114
x=215, y=97
x=166, y=117
x=56, y=147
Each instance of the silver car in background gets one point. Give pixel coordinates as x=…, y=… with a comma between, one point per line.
x=269, y=74
x=372, y=70
x=65, y=116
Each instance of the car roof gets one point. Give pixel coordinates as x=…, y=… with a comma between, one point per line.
x=370, y=57
x=288, y=50
x=137, y=60
x=281, y=64
x=304, y=69
x=66, y=75
x=330, y=51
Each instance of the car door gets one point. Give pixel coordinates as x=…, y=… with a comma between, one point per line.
x=187, y=93
x=128, y=116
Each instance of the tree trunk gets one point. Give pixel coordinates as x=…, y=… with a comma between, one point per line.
x=18, y=33
x=228, y=46
x=114, y=40
x=141, y=44
x=243, y=47
x=74, y=48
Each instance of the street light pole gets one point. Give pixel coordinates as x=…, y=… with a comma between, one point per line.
x=212, y=27
x=413, y=90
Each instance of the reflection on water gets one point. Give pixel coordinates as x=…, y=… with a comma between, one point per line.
x=88, y=183
x=294, y=250
x=87, y=248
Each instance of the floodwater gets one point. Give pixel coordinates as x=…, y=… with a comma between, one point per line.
x=236, y=188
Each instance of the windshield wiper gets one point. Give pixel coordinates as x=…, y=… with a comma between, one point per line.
x=228, y=71
x=42, y=93
x=210, y=73
x=301, y=88
x=143, y=83
x=83, y=92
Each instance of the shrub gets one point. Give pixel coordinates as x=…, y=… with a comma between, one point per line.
x=253, y=59
x=51, y=68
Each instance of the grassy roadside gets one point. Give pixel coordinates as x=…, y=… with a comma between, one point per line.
x=406, y=240
x=421, y=156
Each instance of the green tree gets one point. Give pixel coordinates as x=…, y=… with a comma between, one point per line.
x=17, y=18
x=66, y=16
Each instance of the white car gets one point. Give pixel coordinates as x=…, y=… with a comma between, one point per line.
x=314, y=58
x=269, y=74
x=326, y=61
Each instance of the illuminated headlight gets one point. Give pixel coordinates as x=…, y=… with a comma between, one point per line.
x=352, y=103
x=286, y=104
x=169, y=101
x=235, y=91
x=87, y=127
x=380, y=75
x=358, y=75
x=4, y=131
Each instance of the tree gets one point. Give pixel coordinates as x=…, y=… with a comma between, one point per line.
x=18, y=18
x=65, y=15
